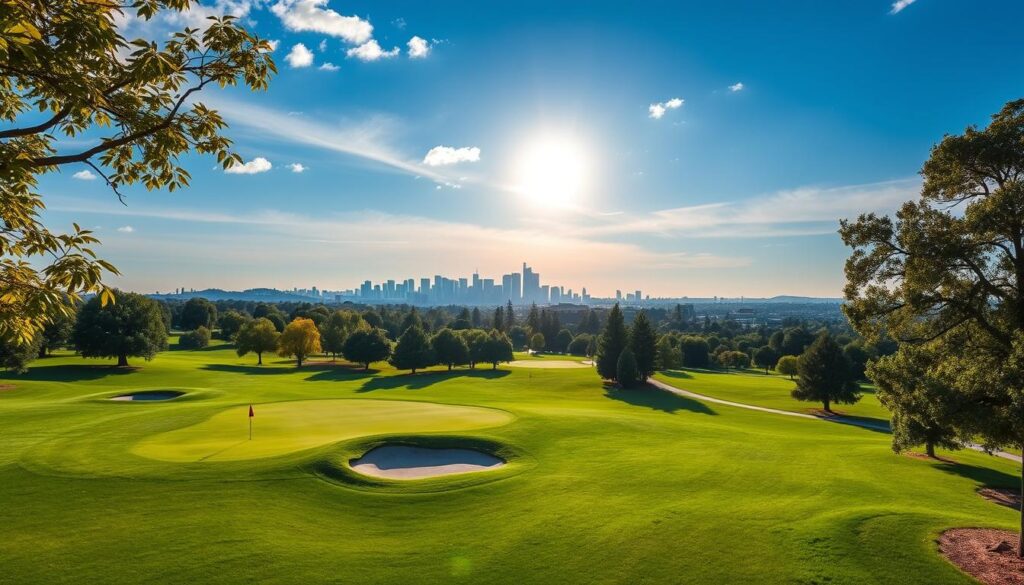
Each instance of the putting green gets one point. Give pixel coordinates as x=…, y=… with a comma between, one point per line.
x=285, y=427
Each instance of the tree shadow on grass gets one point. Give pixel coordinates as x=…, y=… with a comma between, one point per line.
x=422, y=380
x=656, y=399
x=68, y=373
x=985, y=476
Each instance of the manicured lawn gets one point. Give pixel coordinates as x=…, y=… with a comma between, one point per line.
x=771, y=390
x=603, y=486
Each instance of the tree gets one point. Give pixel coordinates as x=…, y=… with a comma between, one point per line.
x=626, y=372
x=15, y=355
x=921, y=403
x=593, y=323
x=669, y=356
x=477, y=318
x=278, y=320
x=198, y=312
x=520, y=336
x=496, y=349
x=257, y=336
x=734, y=359
x=413, y=350
x=765, y=357
x=613, y=340
x=67, y=71
x=195, y=339
x=795, y=340
x=131, y=326
x=56, y=334
x=562, y=341
x=231, y=323
x=537, y=342
x=475, y=340
x=412, y=319
x=533, y=319
x=338, y=326
x=580, y=343
x=949, y=269
x=695, y=352
x=499, y=319
x=510, y=316
x=450, y=348
x=787, y=365
x=858, y=357
x=366, y=346
x=825, y=375
x=643, y=343
x=300, y=339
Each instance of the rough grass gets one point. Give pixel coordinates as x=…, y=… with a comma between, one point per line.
x=609, y=486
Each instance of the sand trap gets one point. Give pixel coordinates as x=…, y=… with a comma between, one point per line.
x=404, y=462
x=547, y=364
x=149, y=395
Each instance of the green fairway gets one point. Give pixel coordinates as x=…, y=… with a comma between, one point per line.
x=606, y=486
x=292, y=426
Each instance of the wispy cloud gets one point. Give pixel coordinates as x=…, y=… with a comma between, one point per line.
x=328, y=67
x=446, y=155
x=799, y=212
x=899, y=5
x=365, y=140
x=658, y=110
x=256, y=165
x=85, y=175
x=297, y=167
x=126, y=229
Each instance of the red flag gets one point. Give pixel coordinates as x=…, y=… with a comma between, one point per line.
x=251, y=413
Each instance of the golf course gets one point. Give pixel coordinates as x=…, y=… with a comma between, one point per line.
x=589, y=483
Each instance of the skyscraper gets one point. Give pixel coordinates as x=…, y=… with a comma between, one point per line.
x=531, y=285
x=512, y=287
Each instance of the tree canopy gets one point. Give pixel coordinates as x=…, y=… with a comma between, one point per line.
x=132, y=326
x=66, y=70
x=413, y=350
x=611, y=343
x=367, y=345
x=300, y=339
x=825, y=375
x=257, y=336
x=450, y=348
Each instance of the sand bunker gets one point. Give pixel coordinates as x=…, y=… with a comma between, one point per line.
x=405, y=462
x=547, y=364
x=151, y=395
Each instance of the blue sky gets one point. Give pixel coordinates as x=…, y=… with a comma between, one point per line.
x=788, y=116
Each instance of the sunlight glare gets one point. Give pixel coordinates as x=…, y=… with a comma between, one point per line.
x=552, y=171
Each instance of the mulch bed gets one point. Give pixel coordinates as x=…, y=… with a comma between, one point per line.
x=6, y=387
x=988, y=555
x=916, y=455
x=1008, y=498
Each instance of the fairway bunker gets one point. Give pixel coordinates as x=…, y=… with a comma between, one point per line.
x=542, y=364
x=149, y=396
x=407, y=462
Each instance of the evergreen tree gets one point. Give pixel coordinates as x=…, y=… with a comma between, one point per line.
x=257, y=336
x=825, y=375
x=413, y=351
x=613, y=340
x=450, y=348
x=643, y=343
x=626, y=372
x=478, y=319
x=533, y=319
x=499, y=319
x=412, y=319
x=510, y=317
x=593, y=323
x=919, y=398
x=365, y=346
x=131, y=326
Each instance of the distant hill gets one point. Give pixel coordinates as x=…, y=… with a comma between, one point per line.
x=253, y=294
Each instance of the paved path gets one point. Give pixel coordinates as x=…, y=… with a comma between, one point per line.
x=836, y=419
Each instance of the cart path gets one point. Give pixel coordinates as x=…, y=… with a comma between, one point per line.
x=843, y=420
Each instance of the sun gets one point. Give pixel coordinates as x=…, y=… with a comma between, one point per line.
x=552, y=171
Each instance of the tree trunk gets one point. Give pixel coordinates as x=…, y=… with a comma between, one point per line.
x=828, y=406
x=298, y=359
x=259, y=358
x=449, y=367
x=122, y=361
x=42, y=351
x=366, y=367
x=929, y=449
x=494, y=366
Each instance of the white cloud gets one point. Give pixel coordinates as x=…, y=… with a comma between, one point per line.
x=446, y=155
x=256, y=165
x=899, y=5
x=297, y=167
x=371, y=51
x=84, y=175
x=314, y=16
x=126, y=229
x=299, y=56
x=322, y=46
x=328, y=67
x=738, y=86
x=418, y=48
x=273, y=44
x=658, y=110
